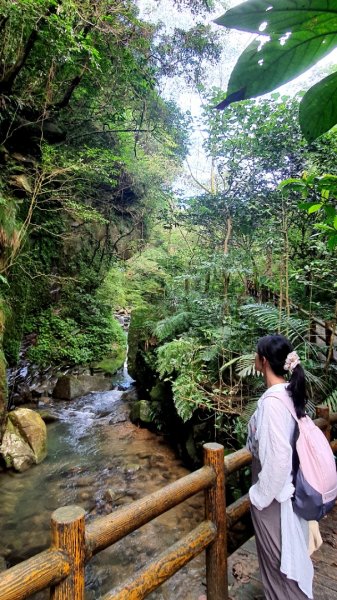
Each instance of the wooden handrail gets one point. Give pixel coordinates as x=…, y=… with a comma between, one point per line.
x=215, y=509
x=237, y=510
x=61, y=567
x=333, y=418
x=35, y=574
x=237, y=460
x=107, y=530
x=166, y=564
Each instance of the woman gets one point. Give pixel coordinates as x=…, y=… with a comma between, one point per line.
x=281, y=536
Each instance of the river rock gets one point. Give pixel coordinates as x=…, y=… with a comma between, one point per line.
x=47, y=416
x=141, y=411
x=130, y=394
x=69, y=387
x=25, y=439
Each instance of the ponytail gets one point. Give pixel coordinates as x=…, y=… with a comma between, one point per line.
x=297, y=390
x=276, y=348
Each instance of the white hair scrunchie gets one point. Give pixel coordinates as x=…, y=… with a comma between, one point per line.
x=292, y=361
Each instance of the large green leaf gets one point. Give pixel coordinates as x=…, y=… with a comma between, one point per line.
x=318, y=108
x=261, y=69
x=281, y=16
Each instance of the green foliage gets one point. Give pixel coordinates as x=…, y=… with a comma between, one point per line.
x=272, y=320
x=172, y=326
x=331, y=401
x=295, y=35
x=64, y=340
x=318, y=194
x=181, y=361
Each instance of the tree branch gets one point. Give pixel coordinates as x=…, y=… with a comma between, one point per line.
x=7, y=81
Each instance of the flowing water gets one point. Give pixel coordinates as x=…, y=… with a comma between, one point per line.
x=99, y=460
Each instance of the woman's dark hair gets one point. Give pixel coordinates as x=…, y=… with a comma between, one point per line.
x=275, y=348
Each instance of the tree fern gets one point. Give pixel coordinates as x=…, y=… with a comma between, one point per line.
x=172, y=326
x=271, y=320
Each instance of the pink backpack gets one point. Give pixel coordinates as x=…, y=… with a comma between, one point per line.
x=315, y=478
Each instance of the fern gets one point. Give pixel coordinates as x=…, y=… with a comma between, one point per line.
x=269, y=318
x=176, y=355
x=331, y=401
x=187, y=395
x=248, y=411
x=245, y=365
x=172, y=326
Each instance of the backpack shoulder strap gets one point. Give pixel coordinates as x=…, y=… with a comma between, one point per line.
x=288, y=403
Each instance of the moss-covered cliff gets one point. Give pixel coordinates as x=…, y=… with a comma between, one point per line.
x=87, y=151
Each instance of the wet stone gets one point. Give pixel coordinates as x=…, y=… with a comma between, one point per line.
x=84, y=496
x=87, y=481
x=132, y=468
x=112, y=495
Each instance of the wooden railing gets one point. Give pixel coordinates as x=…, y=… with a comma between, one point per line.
x=325, y=331
x=61, y=567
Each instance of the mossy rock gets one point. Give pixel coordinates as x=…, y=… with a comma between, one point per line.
x=141, y=412
x=110, y=364
x=69, y=387
x=25, y=439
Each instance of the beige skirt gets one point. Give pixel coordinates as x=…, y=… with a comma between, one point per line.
x=267, y=526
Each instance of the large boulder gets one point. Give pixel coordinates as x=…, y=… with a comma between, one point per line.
x=69, y=387
x=25, y=439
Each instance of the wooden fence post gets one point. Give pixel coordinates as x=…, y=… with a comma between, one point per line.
x=312, y=332
x=323, y=412
x=68, y=535
x=215, y=503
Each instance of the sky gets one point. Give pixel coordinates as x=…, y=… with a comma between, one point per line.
x=187, y=99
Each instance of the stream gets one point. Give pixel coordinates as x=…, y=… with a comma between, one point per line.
x=99, y=460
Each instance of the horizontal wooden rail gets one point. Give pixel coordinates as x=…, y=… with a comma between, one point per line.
x=165, y=565
x=237, y=510
x=107, y=530
x=35, y=574
x=237, y=460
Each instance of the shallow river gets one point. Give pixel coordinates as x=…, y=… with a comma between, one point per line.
x=97, y=459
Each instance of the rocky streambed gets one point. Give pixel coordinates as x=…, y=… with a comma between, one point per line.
x=99, y=460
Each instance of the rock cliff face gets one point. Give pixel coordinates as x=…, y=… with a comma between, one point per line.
x=66, y=255
x=25, y=439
